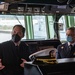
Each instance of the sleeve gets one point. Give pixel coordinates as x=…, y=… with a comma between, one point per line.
x=58, y=53
x=0, y=52
x=26, y=51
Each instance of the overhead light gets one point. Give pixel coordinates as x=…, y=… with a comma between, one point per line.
x=61, y=1
x=68, y=2
x=13, y=1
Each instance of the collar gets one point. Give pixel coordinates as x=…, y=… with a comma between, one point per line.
x=71, y=44
x=17, y=44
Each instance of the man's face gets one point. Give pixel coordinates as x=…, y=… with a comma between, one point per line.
x=71, y=33
x=17, y=30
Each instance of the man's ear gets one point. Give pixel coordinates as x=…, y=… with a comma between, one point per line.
x=11, y=32
x=22, y=36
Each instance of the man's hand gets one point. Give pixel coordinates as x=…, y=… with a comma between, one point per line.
x=1, y=66
x=22, y=64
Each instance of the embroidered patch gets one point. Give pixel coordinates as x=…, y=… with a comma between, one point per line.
x=62, y=47
x=74, y=53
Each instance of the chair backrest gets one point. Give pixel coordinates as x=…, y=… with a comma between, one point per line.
x=32, y=69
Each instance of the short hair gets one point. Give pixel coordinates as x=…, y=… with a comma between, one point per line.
x=72, y=29
x=23, y=29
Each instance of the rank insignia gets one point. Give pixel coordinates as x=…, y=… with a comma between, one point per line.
x=74, y=53
x=62, y=47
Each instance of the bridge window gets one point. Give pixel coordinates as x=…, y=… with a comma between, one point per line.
x=6, y=24
x=39, y=27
